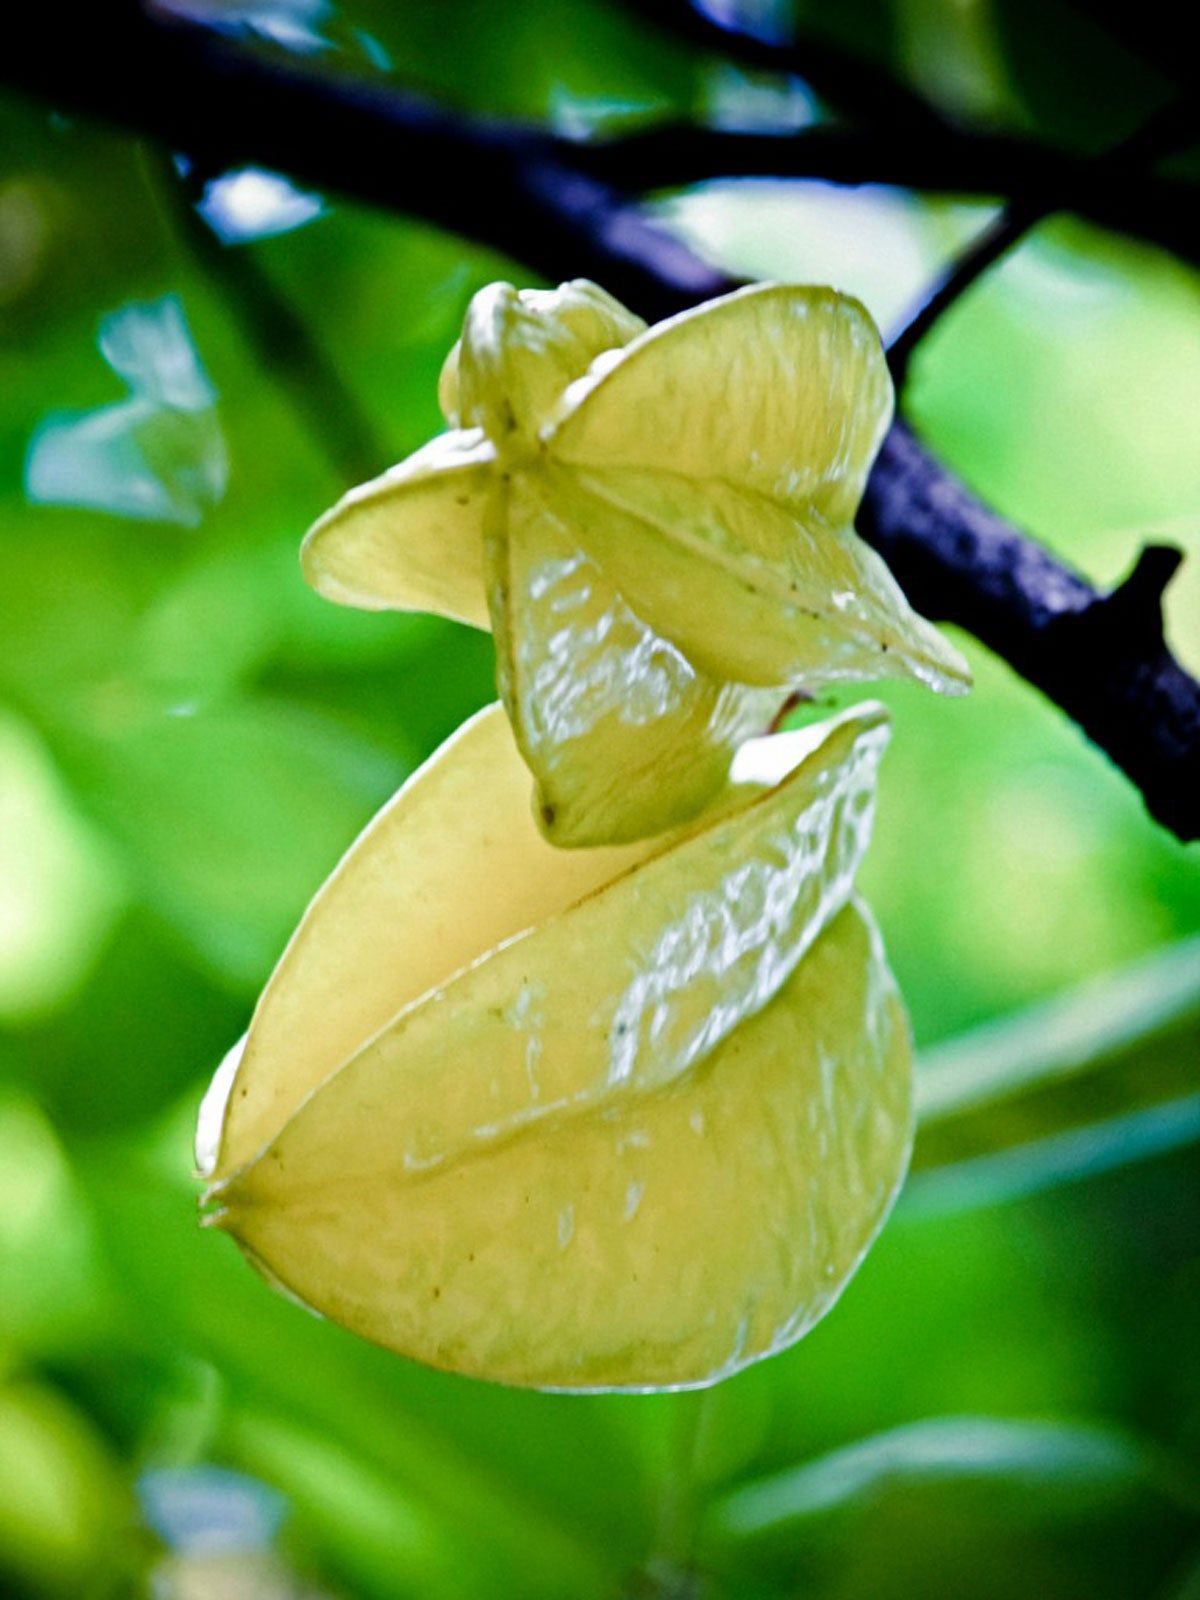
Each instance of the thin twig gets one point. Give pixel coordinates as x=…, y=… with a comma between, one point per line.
x=1172, y=127
x=280, y=338
x=670, y=155
x=670, y=1571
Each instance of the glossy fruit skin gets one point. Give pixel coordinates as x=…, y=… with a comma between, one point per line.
x=628, y=1121
x=657, y=526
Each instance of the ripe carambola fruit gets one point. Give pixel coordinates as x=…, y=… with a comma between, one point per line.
x=657, y=524
x=619, y=1118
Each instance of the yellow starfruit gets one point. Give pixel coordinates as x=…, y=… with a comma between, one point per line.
x=617, y=1118
x=656, y=523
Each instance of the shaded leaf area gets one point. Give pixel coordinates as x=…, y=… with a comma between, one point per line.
x=158, y=455
x=1098, y=1077
x=298, y=1396
x=185, y=1358
x=189, y=739
x=956, y=1494
x=1077, y=1462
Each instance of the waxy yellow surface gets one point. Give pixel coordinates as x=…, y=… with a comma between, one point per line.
x=592, y=1119
x=437, y=497
x=627, y=737
x=699, y=477
x=451, y=868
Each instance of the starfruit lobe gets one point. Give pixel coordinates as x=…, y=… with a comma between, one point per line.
x=625, y=737
x=714, y=471
x=519, y=350
x=656, y=525
x=638, y=1144
x=412, y=539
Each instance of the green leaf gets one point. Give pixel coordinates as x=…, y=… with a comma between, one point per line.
x=149, y=1021
x=1085, y=1082
x=65, y=1509
x=1064, y=1467
x=456, y=1451
x=383, y=1538
x=58, y=891
x=227, y=815
x=50, y=1294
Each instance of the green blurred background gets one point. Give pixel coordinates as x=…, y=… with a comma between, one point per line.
x=1007, y=1402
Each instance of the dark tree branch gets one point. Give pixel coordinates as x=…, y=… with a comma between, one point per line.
x=1156, y=32
x=989, y=246
x=280, y=338
x=1101, y=657
x=1159, y=210
x=847, y=81
x=223, y=104
x=1173, y=125
x=280, y=113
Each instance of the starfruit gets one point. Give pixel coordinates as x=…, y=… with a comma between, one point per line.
x=618, y=1118
x=657, y=524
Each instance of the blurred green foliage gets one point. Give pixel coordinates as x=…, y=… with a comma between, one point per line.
x=1008, y=1401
